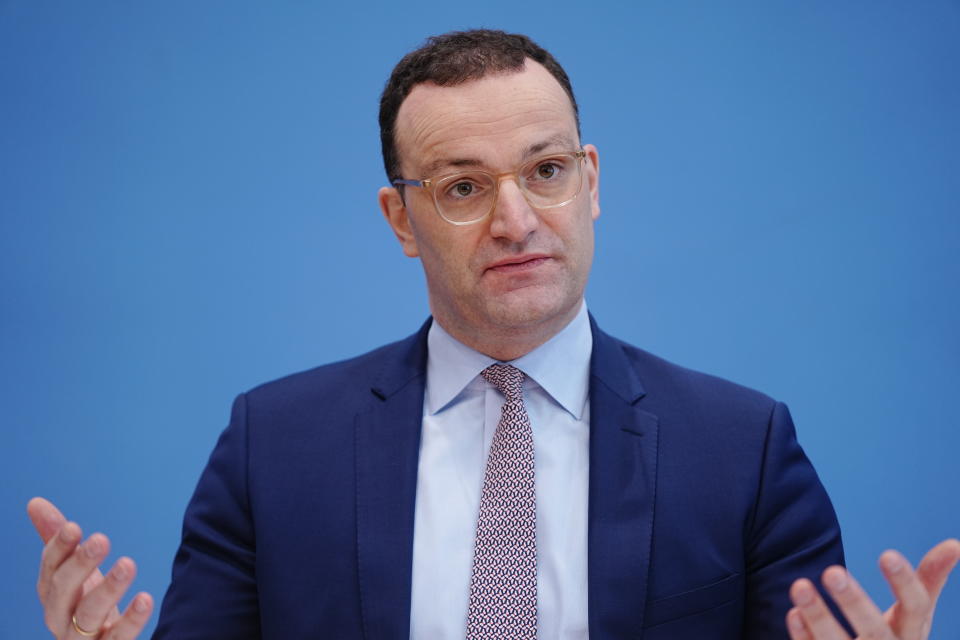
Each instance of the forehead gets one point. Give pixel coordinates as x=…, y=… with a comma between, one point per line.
x=489, y=122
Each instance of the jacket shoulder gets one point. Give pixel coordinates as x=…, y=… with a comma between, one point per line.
x=381, y=371
x=669, y=386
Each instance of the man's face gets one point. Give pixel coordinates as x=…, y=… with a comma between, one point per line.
x=520, y=270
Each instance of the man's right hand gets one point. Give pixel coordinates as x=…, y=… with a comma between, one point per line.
x=78, y=601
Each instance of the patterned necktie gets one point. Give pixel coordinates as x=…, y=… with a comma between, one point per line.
x=503, y=586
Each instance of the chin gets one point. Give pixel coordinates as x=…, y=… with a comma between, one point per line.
x=525, y=311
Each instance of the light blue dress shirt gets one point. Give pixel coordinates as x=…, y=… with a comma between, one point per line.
x=460, y=415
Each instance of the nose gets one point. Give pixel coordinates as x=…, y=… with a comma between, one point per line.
x=513, y=218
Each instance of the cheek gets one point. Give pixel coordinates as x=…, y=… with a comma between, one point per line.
x=577, y=237
x=446, y=258
x=580, y=249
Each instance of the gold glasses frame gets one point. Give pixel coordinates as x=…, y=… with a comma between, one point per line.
x=430, y=184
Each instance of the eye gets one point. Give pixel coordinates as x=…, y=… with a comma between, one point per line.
x=547, y=171
x=461, y=189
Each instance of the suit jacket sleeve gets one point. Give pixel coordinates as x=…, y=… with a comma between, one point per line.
x=793, y=532
x=213, y=593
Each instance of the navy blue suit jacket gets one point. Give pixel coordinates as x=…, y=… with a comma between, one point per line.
x=703, y=508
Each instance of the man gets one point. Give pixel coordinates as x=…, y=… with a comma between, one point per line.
x=510, y=470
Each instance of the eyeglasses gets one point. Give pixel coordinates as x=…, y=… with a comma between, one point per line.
x=468, y=197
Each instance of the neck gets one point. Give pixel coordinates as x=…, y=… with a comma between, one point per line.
x=508, y=342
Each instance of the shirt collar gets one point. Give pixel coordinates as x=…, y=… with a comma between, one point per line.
x=561, y=365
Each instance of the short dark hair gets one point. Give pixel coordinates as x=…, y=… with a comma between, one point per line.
x=454, y=58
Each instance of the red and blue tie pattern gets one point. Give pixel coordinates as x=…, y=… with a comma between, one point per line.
x=503, y=586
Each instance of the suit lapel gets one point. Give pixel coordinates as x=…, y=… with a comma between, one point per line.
x=623, y=474
x=623, y=456
x=387, y=452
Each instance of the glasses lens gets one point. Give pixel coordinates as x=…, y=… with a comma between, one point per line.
x=551, y=181
x=465, y=196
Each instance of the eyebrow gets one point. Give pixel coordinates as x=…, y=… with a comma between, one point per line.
x=559, y=140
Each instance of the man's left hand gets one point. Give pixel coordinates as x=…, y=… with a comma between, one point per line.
x=910, y=616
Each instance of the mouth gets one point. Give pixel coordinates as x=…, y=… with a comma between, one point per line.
x=518, y=263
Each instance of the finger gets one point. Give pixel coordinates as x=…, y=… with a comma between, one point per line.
x=937, y=565
x=95, y=607
x=57, y=549
x=865, y=617
x=134, y=618
x=817, y=618
x=795, y=626
x=914, y=605
x=46, y=518
x=67, y=582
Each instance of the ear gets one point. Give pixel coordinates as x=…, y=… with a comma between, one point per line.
x=391, y=204
x=593, y=179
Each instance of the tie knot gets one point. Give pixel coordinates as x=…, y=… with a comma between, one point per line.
x=506, y=378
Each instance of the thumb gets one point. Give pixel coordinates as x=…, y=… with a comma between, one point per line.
x=45, y=517
x=937, y=565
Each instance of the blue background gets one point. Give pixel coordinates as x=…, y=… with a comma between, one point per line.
x=187, y=193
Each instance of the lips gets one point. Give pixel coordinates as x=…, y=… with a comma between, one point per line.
x=518, y=263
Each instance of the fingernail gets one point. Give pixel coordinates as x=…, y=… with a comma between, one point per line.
x=140, y=605
x=92, y=548
x=804, y=595
x=837, y=581
x=892, y=563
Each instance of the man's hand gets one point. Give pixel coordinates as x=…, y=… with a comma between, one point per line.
x=78, y=601
x=910, y=616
